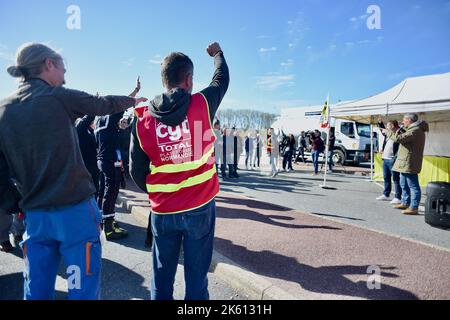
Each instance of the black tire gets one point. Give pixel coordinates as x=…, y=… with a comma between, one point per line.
x=338, y=157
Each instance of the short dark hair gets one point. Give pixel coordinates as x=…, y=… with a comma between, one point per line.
x=394, y=123
x=174, y=69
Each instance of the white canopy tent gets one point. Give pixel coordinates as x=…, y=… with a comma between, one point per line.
x=428, y=96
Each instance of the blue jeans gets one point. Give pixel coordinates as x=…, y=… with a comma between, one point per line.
x=70, y=232
x=315, y=159
x=411, y=190
x=195, y=231
x=390, y=175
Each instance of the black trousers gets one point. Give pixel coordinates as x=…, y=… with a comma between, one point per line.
x=109, y=185
x=95, y=173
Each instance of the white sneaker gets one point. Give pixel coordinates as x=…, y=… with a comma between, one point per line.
x=396, y=201
x=383, y=198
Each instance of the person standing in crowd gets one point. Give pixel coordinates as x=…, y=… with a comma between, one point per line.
x=389, y=154
x=254, y=151
x=288, y=152
x=231, y=148
x=88, y=147
x=56, y=190
x=124, y=143
x=273, y=150
x=409, y=160
x=218, y=150
x=182, y=186
x=237, y=152
x=331, y=143
x=317, y=146
x=110, y=164
x=247, y=142
x=301, y=147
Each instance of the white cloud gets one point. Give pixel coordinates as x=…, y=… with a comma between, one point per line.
x=364, y=41
x=333, y=46
x=353, y=19
x=288, y=63
x=263, y=37
x=272, y=82
x=157, y=59
x=349, y=44
x=265, y=50
x=309, y=47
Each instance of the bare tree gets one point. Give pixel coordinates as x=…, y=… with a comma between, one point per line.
x=246, y=119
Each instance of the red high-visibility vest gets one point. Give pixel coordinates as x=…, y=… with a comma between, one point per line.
x=182, y=169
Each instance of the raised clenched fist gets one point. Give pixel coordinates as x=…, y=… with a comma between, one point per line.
x=213, y=49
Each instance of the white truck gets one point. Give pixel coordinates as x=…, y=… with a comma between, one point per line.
x=352, y=138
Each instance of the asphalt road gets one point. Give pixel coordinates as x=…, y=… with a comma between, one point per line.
x=352, y=202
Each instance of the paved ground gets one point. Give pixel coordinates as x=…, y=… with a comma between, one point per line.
x=126, y=271
x=313, y=258
x=352, y=202
x=306, y=241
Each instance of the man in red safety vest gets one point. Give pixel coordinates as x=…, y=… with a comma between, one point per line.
x=172, y=158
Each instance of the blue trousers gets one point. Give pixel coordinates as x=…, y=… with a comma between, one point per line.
x=70, y=232
x=411, y=190
x=315, y=159
x=194, y=230
x=390, y=175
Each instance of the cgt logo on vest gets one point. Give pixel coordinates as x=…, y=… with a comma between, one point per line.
x=169, y=135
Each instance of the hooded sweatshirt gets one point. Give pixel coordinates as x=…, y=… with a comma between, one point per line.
x=171, y=109
x=412, y=143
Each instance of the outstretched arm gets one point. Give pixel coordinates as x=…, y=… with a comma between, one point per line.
x=215, y=92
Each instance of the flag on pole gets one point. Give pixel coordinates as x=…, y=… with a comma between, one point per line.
x=325, y=116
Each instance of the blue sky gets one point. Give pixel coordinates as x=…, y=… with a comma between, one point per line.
x=280, y=53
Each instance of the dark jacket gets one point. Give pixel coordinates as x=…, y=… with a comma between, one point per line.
x=107, y=136
x=302, y=142
x=86, y=138
x=39, y=146
x=171, y=108
x=247, y=144
x=331, y=142
x=317, y=144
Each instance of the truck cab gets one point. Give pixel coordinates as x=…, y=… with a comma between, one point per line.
x=352, y=138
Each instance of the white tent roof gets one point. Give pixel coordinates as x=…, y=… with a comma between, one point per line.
x=429, y=96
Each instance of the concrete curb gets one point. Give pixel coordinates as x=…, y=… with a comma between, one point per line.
x=248, y=283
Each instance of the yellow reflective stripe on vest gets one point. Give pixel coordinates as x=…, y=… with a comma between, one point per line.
x=189, y=182
x=181, y=167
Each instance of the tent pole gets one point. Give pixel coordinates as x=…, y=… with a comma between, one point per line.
x=371, y=152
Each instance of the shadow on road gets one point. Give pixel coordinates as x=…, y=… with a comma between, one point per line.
x=231, y=213
x=324, y=280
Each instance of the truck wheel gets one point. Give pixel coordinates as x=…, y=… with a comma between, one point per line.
x=338, y=157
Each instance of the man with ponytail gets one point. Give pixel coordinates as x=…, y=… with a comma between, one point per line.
x=39, y=151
